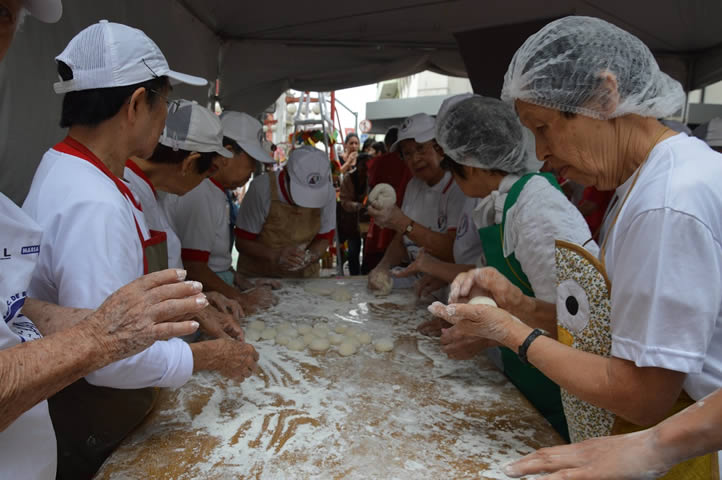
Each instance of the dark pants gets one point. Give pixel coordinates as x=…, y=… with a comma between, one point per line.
x=354, y=250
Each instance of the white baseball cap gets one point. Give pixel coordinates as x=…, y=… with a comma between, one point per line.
x=420, y=128
x=109, y=54
x=48, y=11
x=248, y=133
x=310, y=172
x=193, y=128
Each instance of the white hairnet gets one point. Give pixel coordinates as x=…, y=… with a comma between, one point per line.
x=483, y=132
x=561, y=67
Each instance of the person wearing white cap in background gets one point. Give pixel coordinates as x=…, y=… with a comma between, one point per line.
x=711, y=133
x=202, y=217
x=116, y=83
x=287, y=220
x=431, y=207
x=35, y=366
x=185, y=155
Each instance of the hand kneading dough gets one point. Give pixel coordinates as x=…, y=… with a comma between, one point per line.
x=296, y=344
x=252, y=335
x=384, y=345
x=257, y=325
x=482, y=301
x=346, y=349
x=319, y=344
x=268, y=334
x=382, y=195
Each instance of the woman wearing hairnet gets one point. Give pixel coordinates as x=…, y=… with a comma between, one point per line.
x=640, y=326
x=520, y=215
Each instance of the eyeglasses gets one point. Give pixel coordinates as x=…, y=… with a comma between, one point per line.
x=173, y=105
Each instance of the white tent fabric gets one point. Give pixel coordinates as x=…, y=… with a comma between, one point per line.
x=259, y=49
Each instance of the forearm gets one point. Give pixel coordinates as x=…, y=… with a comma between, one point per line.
x=395, y=254
x=204, y=356
x=440, y=245
x=444, y=270
x=33, y=371
x=200, y=272
x=51, y=318
x=538, y=314
x=254, y=248
x=317, y=247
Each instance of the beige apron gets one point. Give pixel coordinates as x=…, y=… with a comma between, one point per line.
x=584, y=323
x=285, y=225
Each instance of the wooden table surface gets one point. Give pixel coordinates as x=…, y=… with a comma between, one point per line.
x=409, y=413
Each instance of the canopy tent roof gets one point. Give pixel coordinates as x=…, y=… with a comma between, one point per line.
x=259, y=49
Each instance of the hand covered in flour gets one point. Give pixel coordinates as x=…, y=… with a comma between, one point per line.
x=226, y=305
x=489, y=282
x=147, y=310
x=233, y=359
x=219, y=324
x=480, y=321
x=292, y=258
x=389, y=216
x=256, y=299
x=458, y=345
x=632, y=456
x=421, y=264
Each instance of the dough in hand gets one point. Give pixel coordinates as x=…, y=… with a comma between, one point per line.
x=252, y=335
x=382, y=195
x=384, y=344
x=346, y=349
x=481, y=300
x=319, y=344
x=268, y=334
x=257, y=325
x=296, y=344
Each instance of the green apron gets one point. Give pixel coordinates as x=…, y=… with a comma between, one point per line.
x=536, y=387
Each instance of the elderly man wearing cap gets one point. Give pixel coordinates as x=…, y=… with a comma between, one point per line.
x=95, y=237
x=34, y=367
x=288, y=220
x=203, y=221
x=431, y=207
x=186, y=154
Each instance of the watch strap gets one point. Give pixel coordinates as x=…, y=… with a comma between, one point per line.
x=524, y=347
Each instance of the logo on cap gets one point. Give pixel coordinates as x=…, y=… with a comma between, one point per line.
x=313, y=179
x=407, y=124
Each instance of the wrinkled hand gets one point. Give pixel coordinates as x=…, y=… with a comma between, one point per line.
x=240, y=281
x=233, y=359
x=218, y=324
x=433, y=327
x=268, y=282
x=292, y=258
x=389, y=217
x=427, y=285
x=145, y=311
x=419, y=265
x=489, y=282
x=459, y=346
x=259, y=298
x=481, y=321
x=621, y=457
x=226, y=305
x=379, y=278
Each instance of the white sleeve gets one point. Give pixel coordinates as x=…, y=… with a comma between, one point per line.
x=328, y=214
x=163, y=364
x=195, y=216
x=666, y=291
x=255, y=206
x=540, y=216
x=455, y=206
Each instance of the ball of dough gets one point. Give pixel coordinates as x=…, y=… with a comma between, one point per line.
x=341, y=328
x=341, y=295
x=335, y=338
x=296, y=344
x=284, y=326
x=319, y=344
x=291, y=332
x=308, y=338
x=257, y=325
x=252, y=335
x=268, y=334
x=351, y=339
x=282, y=339
x=382, y=195
x=384, y=344
x=321, y=327
x=481, y=300
x=364, y=338
x=304, y=329
x=346, y=349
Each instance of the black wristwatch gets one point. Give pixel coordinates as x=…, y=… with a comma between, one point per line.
x=525, y=346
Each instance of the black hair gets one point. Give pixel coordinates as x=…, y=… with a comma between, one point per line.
x=164, y=154
x=380, y=147
x=451, y=165
x=229, y=142
x=392, y=134
x=349, y=137
x=360, y=183
x=92, y=107
x=368, y=143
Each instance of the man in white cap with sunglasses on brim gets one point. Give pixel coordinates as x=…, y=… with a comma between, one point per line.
x=116, y=83
x=288, y=220
x=34, y=366
x=202, y=218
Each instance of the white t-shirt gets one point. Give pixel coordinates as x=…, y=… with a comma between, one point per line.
x=90, y=248
x=27, y=446
x=664, y=260
x=155, y=216
x=256, y=205
x=467, y=244
x=540, y=216
x=202, y=220
x=437, y=208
